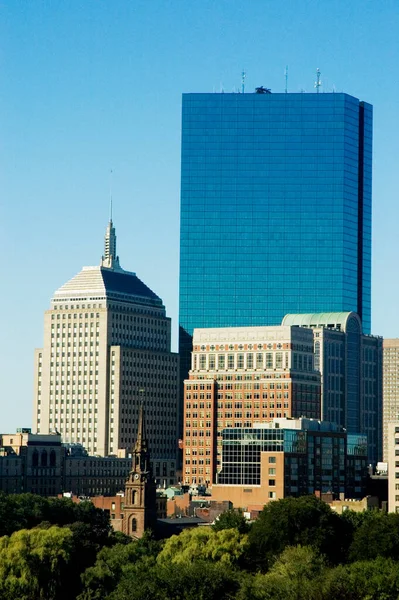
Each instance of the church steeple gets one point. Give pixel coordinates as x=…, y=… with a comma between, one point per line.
x=140, y=490
x=141, y=457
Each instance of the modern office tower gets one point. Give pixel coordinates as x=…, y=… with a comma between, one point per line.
x=275, y=209
x=390, y=394
x=290, y=457
x=239, y=376
x=392, y=455
x=350, y=364
x=106, y=349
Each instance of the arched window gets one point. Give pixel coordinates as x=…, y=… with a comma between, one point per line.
x=35, y=459
x=134, y=524
x=52, y=458
x=43, y=461
x=134, y=497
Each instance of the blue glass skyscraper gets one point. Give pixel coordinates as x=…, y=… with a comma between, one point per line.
x=275, y=208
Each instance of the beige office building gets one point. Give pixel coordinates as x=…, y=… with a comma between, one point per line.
x=390, y=392
x=106, y=349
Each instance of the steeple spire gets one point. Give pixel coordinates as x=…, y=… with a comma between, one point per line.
x=140, y=511
x=141, y=454
x=110, y=259
x=141, y=445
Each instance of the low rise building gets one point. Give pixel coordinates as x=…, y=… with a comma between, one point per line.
x=42, y=464
x=86, y=475
x=290, y=457
x=31, y=463
x=366, y=503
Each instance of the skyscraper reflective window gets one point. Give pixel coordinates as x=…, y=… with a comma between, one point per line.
x=275, y=208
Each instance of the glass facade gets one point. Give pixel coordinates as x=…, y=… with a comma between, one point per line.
x=242, y=450
x=275, y=208
x=318, y=457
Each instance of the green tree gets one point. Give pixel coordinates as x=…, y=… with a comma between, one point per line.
x=24, y=511
x=296, y=575
x=378, y=535
x=102, y=578
x=203, y=543
x=89, y=527
x=356, y=519
x=304, y=521
x=363, y=580
x=34, y=563
x=232, y=519
x=20, y=511
x=199, y=580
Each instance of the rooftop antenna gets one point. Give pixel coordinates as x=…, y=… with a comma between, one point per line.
x=317, y=83
x=286, y=79
x=110, y=195
x=243, y=76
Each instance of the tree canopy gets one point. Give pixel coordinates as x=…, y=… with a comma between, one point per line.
x=24, y=511
x=232, y=519
x=305, y=521
x=203, y=543
x=33, y=563
x=298, y=549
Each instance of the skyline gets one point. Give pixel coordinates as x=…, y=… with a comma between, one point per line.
x=94, y=87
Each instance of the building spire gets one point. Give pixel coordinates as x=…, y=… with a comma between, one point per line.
x=110, y=195
x=110, y=259
x=140, y=510
x=141, y=455
x=141, y=440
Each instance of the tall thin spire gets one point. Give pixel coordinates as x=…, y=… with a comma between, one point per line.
x=140, y=489
x=141, y=440
x=110, y=259
x=141, y=454
x=110, y=196
x=110, y=242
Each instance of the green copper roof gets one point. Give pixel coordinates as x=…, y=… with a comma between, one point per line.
x=333, y=319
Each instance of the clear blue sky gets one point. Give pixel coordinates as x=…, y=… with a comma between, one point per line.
x=90, y=85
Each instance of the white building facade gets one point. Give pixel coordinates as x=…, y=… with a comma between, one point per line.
x=107, y=349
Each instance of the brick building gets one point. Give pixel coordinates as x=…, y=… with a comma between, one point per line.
x=240, y=376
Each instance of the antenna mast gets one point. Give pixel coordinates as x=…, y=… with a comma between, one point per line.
x=286, y=79
x=110, y=195
x=243, y=76
x=317, y=83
